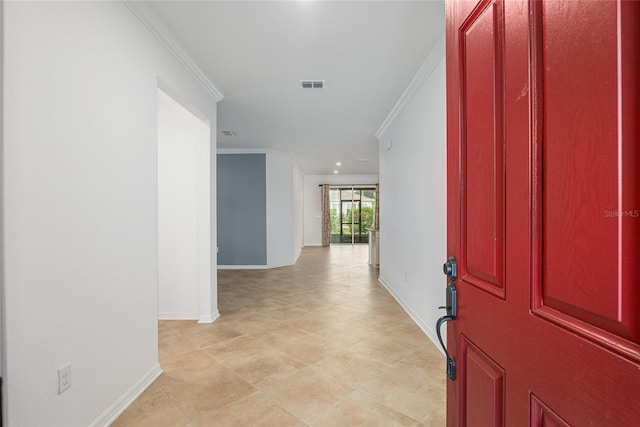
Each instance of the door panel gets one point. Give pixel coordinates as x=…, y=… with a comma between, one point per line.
x=483, y=388
x=483, y=148
x=583, y=202
x=543, y=416
x=543, y=101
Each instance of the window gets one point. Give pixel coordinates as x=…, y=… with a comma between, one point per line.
x=352, y=213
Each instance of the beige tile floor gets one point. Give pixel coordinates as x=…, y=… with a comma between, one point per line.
x=321, y=343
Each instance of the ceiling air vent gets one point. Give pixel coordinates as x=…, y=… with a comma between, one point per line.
x=312, y=84
x=228, y=133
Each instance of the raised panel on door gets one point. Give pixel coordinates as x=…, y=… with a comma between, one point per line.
x=587, y=218
x=483, y=388
x=481, y=37
x=543, y=416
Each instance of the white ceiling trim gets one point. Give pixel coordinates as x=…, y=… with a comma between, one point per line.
x=436, y=56
x=157, y=28
x=254, y=151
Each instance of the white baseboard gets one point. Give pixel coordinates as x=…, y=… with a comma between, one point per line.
x=119, y=406
x=177, y=316
x=427, y=331
x=209, y=318
x=242, y=267
x=317, y=245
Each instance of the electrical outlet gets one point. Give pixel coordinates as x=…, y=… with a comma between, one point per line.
x=64, y=378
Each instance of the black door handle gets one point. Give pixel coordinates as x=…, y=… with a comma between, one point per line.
x=452, y=312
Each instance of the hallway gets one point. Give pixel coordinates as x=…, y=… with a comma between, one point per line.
x=321, y=343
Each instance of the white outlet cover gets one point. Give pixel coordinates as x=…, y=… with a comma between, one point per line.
x=64, y=378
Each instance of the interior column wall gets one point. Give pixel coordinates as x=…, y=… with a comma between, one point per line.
x=280, y=201
x=181, y=178
x=80, y=197
x=298, y=211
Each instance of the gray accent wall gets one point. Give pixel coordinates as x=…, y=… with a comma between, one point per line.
x=242, y=209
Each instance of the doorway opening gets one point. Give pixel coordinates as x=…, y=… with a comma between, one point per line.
x=352, y=213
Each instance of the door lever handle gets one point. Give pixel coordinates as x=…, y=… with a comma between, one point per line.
x=452, y=312
x=451, y=364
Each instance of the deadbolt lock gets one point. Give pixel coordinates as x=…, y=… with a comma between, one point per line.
x=450, y=269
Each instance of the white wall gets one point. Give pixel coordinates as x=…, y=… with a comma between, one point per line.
x=2, y=333
x=80, y=198
x=298, y=210
x=413, y=186
x=312, y=215
x=280, y=225
x=284, y=209
x=183, y=180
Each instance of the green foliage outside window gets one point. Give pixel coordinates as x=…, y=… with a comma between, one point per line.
x=360, y=211
x=367, y=214
x=366, y=218
x=335, y=222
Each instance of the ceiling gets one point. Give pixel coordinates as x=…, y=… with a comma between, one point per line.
x=256, y=53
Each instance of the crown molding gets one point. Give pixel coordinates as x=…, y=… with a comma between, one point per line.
x=255, y=151
x=159, y=30
x=434, y=58
x=241, y=151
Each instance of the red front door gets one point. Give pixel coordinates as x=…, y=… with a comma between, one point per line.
x=544, y=212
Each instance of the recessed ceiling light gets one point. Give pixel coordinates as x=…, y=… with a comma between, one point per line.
x=335, y=171
x=228, y=133
x=338, y=164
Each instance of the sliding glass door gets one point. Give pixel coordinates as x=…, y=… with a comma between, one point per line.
x=352, y=214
